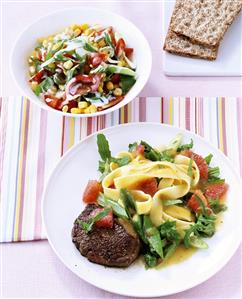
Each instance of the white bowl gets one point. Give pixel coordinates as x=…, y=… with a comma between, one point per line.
x=57, y=21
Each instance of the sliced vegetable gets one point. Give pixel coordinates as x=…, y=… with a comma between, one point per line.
x=92, y=191
x=216, y=190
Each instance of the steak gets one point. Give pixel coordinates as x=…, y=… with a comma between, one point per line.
x=118, y=246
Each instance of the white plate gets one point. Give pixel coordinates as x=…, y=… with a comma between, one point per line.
x=56, y=22
x=228, y=62
x=62, y=204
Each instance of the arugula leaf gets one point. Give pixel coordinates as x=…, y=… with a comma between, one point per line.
x=44, y=86
x=208, y=158
x=169, y=232
x=150, y=153
x=170, y=249
x=118, y=210
x=201, y=204
x=185, y=146
x=153, y=236
x=216, y=206
x=108, y=40
x=121, y=161
x=87, y=226
x=70, y=73
x=126, y=82
x=133, y=147
x=88, y=47
x=128, y=201
x=214, y=175
x=167, y=155
x=104, y=168
x=103, y=147
x=150, y=260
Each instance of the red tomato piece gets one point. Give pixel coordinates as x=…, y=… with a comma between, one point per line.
x=201, y=163
x=120, y=47
x=106, y=221
x=92, y=191
x=97, y=58
x=149, y=186
x=216, y=190
x=115, y=78
x=140, y=150
x=193, y=203
x=128, y=52
x=37, y=77
x=53, y=102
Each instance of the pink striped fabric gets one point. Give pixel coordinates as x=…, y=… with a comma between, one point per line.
x=32, y=141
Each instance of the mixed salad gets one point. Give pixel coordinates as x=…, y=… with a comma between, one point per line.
x=82, y=69
x=186, y=195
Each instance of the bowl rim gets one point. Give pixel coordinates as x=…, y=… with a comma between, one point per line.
x=93, y=9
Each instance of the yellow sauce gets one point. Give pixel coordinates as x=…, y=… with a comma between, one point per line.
x=180, y=255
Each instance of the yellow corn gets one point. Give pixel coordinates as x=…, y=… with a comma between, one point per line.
x=100, y=89
x=91, y=109
x=121, y=63
x=68, y=64
x=109, y=85
x=77, y=32
x=62, y=87
x=34, y=85
x=84, y=26
x=45, y=43
x=76, y=110
x=56, y=46
x=102, y=43
x=117, y=92
x=65, y=108
x=82, y=105
x=51, y=65
x=32, y=70
x=74, y=27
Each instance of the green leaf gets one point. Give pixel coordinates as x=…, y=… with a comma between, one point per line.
x=88, y=47
x=118, y=210
x=214, y=175
x=70, y=73
x=150, y=260
x=208, y=159
x=108, y=39
x=87, y=226
x=137, y=222
x=114, y=69
x=197, y=242
x=187, y=146
x=170, y=202
x=190, y=170
x=127, y=82
x=133, y=147
x=170, y=249
x=44, y=86
x=104, y=168
x=188, y=233
x=216, y=206
x=128, y=201
x=169, y=232
x=103, y=147
x=153, y=236
x=121, y=161
x=201, y=204
x=150, y=153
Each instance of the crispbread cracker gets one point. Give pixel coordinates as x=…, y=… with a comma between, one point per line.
x=181, y=45
x=204, y=21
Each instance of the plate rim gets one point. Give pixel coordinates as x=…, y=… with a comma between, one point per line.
x=205, y=277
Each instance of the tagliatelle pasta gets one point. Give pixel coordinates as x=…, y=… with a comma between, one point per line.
x=163, y=197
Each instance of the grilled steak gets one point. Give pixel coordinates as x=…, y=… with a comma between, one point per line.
x=115, y=247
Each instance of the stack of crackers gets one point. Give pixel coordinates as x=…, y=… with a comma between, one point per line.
x=197, y=27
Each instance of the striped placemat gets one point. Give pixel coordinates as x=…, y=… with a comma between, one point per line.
x=32, y=141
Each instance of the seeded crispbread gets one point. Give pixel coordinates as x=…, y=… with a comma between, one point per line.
x=181, y=45
x=204, y=21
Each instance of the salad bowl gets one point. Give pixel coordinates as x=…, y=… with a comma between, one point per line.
x=54, y=23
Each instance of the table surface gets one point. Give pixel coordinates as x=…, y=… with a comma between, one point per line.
x=32, y=267
x=147, y=16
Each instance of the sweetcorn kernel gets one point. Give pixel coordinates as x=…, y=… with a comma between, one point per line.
x=102, y=43
x=65, y=108
x=77, y=32
x=68, y=64
x=51, y=65
x=56, y=46
x=82, y=105
x=109, y=85
x=121, y=63
x=117, y=92
x=92, y=108
x=76, y=110
x=84, y=26
x=34, y=85
x=32, y=69
x=100, y=89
